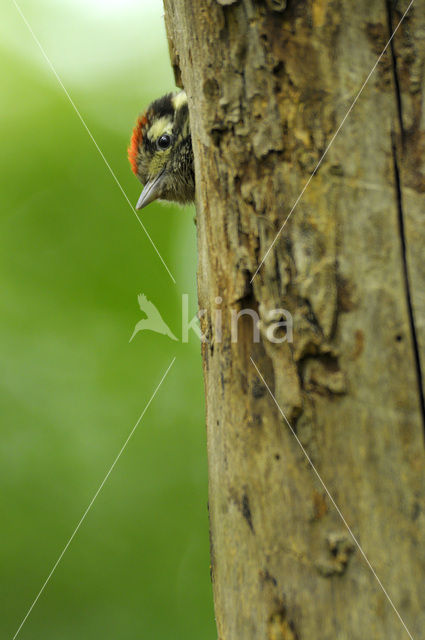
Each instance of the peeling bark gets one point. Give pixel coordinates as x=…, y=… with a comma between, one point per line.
x=268, y=85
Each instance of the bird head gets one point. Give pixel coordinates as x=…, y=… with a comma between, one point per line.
x=160, y=151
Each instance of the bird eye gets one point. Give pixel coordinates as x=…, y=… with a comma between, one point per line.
x=164, y=141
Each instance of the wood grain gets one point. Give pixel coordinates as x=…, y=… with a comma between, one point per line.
x=268, y=85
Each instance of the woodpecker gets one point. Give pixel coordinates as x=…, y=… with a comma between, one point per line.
x=160, y=151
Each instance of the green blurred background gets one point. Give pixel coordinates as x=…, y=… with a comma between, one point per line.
x=73, y=259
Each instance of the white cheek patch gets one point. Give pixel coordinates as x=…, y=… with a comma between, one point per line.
x=179, y=100
x=159, y=127
x=186, y=129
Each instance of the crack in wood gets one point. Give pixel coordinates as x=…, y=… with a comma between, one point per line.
x=401, y=222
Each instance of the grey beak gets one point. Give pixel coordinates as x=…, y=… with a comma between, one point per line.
x=151, y=191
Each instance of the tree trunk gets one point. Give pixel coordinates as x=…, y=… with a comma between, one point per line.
x=268, y=85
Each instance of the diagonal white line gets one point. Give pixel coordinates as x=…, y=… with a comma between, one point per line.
x=331, y=142
x=93, y=499
x=332, y=500
x=91, y=136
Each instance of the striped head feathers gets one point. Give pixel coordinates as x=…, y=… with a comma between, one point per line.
x=160, y=151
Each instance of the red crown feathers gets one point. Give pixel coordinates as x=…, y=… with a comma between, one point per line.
x=135, y=142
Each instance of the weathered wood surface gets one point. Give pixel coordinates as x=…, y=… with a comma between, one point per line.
x=268, y=85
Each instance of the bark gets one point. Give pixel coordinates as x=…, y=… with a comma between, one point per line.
x=268, y=84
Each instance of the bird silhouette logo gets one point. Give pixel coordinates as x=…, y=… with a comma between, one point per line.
x=153, y=321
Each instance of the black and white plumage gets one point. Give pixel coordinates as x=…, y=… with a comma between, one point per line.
x=160, y=151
